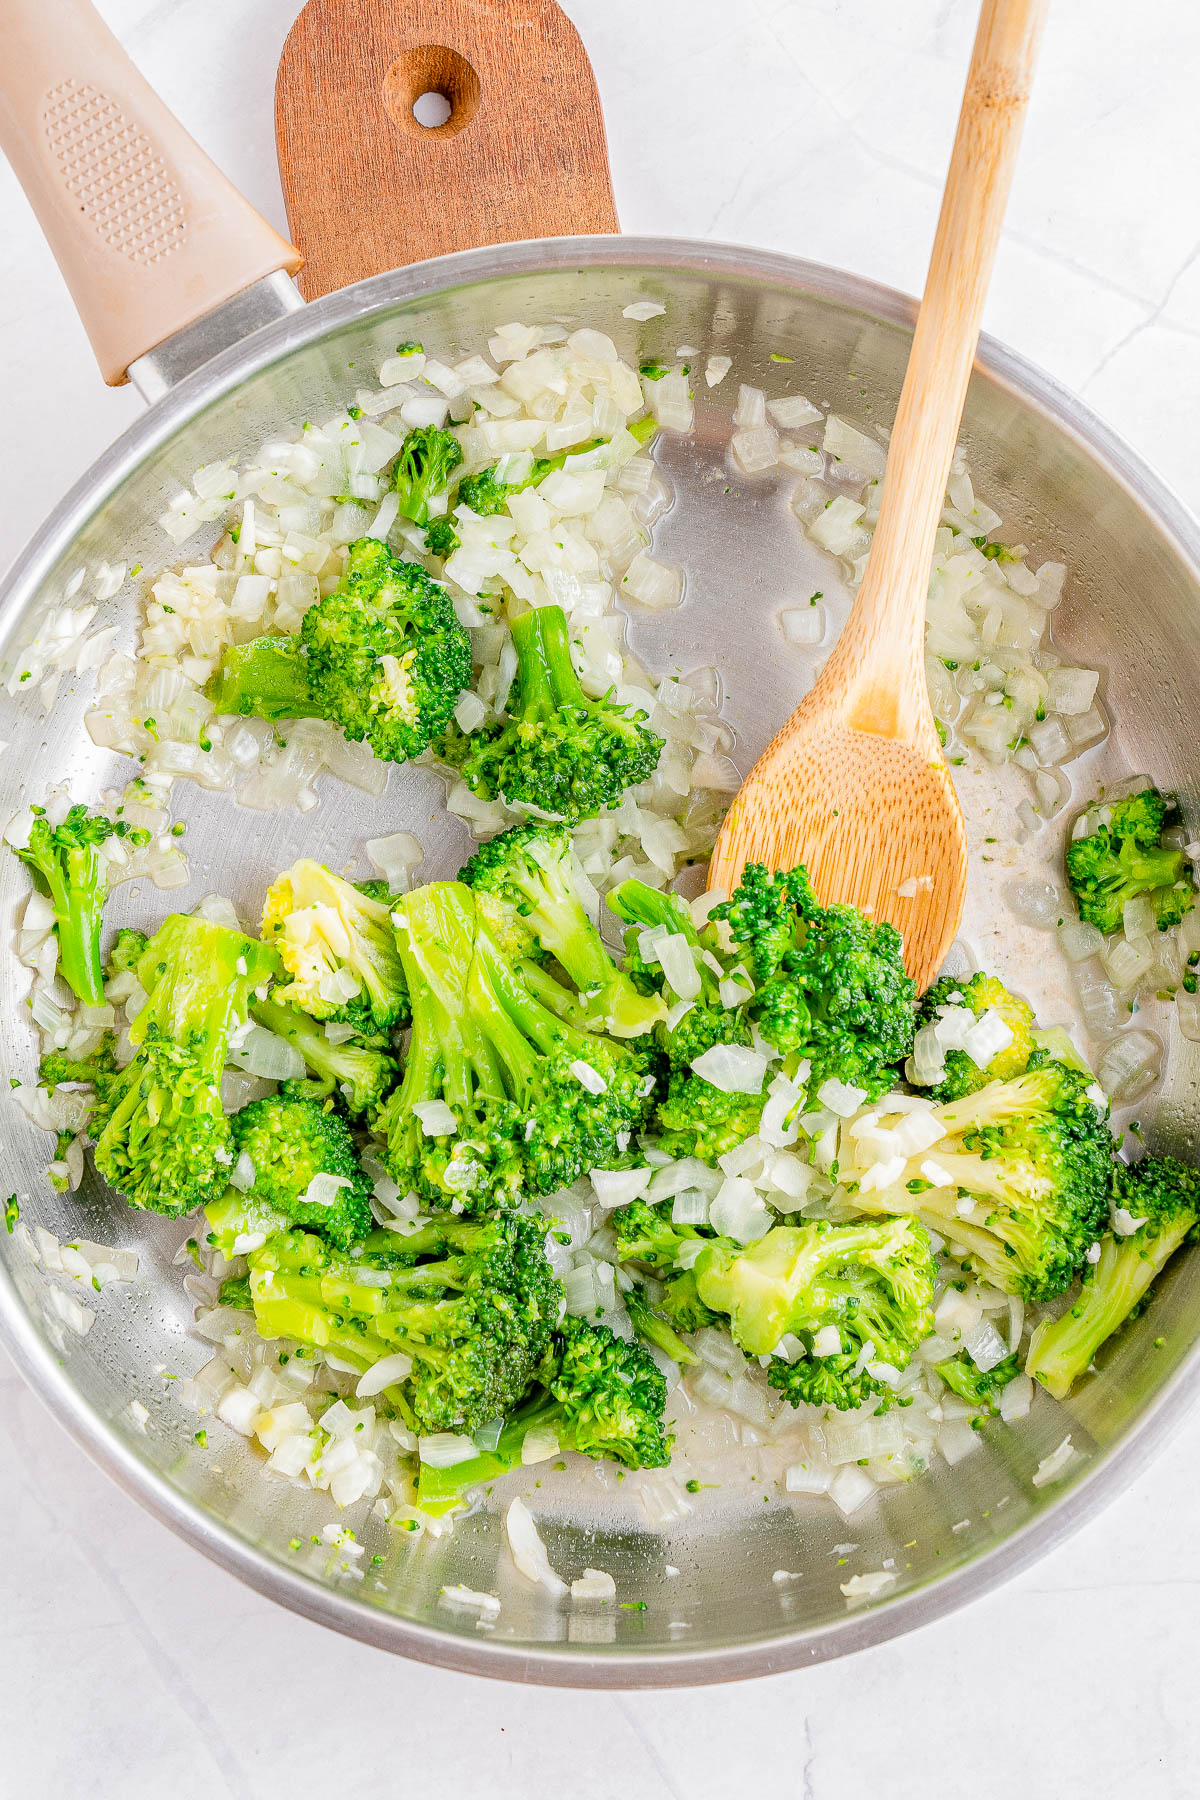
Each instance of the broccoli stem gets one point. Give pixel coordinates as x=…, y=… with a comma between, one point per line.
x=1063, y=1348
x=546, y=678
x=266, y=678
x=77, y=891
x=440, y=1491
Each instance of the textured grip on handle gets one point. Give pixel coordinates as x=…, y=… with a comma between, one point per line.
x=148, y=233
x=521, y=155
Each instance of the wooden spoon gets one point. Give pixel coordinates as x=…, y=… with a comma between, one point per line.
x=856, y=785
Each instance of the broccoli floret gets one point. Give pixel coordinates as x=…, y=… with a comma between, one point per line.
x=126, y=951
x=694, y=1117
x=383, y=656
x=330, y=936
x=1124, y=857
x=428, y=458
x=266, y=677
x=486, y=493
x=646, y=1233
x=656, y=1325
x=829, y=983
x=99, y=1070
x=502, y=1096
x=601, y=1396
x=698, y=1119
x=1033, y=1155
x=981, y=994
x=870, y=1282
x=524, y=887
x=441, y=539
x=1164, y=1197
x=978, y=1387
x=66, y=865
x=472, y=1304
x=682, y=1305
x=360, y=1075
x=559, y=751
x=165, y=1142
x=291, y=1142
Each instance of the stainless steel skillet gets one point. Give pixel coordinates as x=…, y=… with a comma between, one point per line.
x=1047, y=464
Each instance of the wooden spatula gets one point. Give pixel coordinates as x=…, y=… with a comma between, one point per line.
x=856, y=785
x=368, y=187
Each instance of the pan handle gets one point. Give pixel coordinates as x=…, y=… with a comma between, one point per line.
x=148, y=233
x=369, y=185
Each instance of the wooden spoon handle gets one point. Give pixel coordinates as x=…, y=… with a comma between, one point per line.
x=878, y=662
x=522, y=154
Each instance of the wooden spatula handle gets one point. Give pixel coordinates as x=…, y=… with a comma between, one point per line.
x=368, y=188
x=879, y=659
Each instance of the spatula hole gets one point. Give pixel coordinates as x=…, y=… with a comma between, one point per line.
x=431, y=90
x=431, y=110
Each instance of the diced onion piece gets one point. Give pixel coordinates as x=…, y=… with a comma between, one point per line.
x=525, y=1543
x=265, y=1054
x=395, y=857
x=443, y=1449
x=739, y=1212
x=384, y=1373
x=733, y=1068
x=1052, y=1466
x=594, y=1584
x=618, y=1187
x=841, y=1097
x=437, y=1120
x=803, y=624
x=324, y=1189
x=987, y=1038
x=674, y=953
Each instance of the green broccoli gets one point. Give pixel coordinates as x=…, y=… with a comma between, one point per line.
x=383, y=656
x=1124, y=857
x=1033, y=1156
x=525, y=889
x=359, y=1075
x=126, y=952
x=66, y=865
x=502, y=1096
x=441, y=539
x=1163, y=1196
x=694, y=1117
x=654, y=1324
x=829, y=983
x=428, y=458
x=99, y=1070
x=291, y=1143
x=487, y=492
x=646, y=1233
x=558, y=751
x=868, y=1284
x=165, y=1142
x=601, y=1396
x=473, y=1305
x=332, y=937
x=982, y=993
x=978, y=1387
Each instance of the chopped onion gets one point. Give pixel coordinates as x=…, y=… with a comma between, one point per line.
x=733, y=1068
x=264, y=1053
x=528, y=1550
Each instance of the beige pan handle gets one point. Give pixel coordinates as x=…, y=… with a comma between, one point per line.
x=147, y=231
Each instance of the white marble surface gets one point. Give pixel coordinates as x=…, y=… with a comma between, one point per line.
x=128, y=1666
